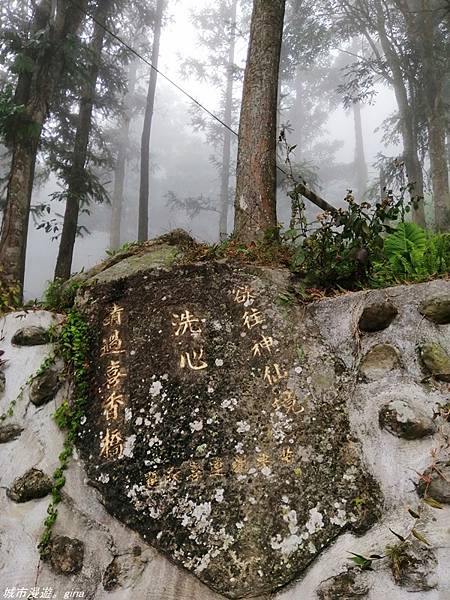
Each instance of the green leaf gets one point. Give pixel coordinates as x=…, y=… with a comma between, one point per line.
x=432, y=502
x=420, y=537
x=406, y=238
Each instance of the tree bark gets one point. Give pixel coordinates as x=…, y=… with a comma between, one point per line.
x=255, y=202
x=144, y=190
x=119, y=171
x=436, y=117
x=76, y=176
x=361, y=174
x=34, y=91
x=228, y=115
x=407, y=124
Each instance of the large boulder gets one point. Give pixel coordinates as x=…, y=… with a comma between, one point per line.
x=210, y=432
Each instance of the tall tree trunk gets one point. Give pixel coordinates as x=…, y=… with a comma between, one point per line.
x=228, y=115
x=144, y=189
x=255, y=202
x=407, y=124
x=34, y=91
x=76, y=178
x=436, y=116
x=119, y=171
x=361, y=174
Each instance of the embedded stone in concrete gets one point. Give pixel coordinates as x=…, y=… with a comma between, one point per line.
x=436, y=482
x=406, y=419
x=379, y=362
x=414, y=566
x=436, y=360
x=31, y=336
x=45, y=387
x=346, y=586
x=377, y=316
x=123, y=571
x=66, y=555
x=9, y=433
x=2, y=382
x=33, y=484
x=437, y=309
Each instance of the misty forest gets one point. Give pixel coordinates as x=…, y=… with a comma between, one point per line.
x=309, y=133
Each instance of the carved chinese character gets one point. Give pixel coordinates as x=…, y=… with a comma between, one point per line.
x=196, y=362
x=274, y=373
x=239, y=465
x=242, y=295
x=185, y=322
x=195, y=471
x=112, y=404
x=287, y=401
x=265, y=343
x=287, y=455
x=112, y=444
x=263, y=460
x=217, y=468
x=114, y=374
x=173, y=475
x=112, y=344
x=152, y=479
x=252, y=318
x=114, y=317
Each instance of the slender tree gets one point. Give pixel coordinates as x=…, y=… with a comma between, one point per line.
x=76, y=178
x=144, y=189
x=53, y=23
x=121, y=160
x=255, y=202
x=360, y=164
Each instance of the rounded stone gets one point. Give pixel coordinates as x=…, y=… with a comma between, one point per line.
x=436, y=483
x=406, y=420
x=414, y=566
x=33, y=484
x=379, y=361
x=437, y=309
x=66, y=555
x=45, y=387
x=31, y=336
x=377, y=316
x=345, y=586
x=436, y=360
x=9, y=433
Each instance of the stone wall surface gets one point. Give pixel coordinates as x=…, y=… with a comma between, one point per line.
x=235, y=444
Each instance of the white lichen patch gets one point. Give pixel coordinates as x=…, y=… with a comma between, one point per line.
x=219, y=495
x=340, y=518
x=196, y=425
x=139, y=421
x=103, y=478
x=315, y=521
x=239, y=448
x=242, y=426
x=155, y=388
x=128, y=414
x=129, y=446
x=229, y=403
x=218, y=362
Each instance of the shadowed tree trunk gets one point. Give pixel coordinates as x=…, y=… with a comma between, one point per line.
x=76, y=178
x=408, y=125
x=361, y=174
x=144, y=189
x=228, y=114
x=255, y=202
x=59, y=19
x=119, y=172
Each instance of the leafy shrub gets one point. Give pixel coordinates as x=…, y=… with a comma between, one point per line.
x=412, y=254
x=342, y=250
x=60, y=295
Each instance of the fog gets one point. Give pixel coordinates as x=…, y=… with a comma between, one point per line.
x=181, y=157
